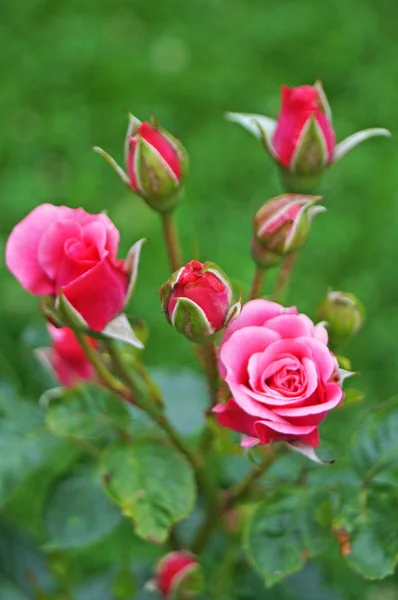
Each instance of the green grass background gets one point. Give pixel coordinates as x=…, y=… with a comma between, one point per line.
x=71, y=68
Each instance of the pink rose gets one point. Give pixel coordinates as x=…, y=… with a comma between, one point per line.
x=57, y=248
x=299, y=104
x=281, y=374
x=67, y=358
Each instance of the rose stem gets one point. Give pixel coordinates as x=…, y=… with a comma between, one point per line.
x=125, y=373
x=170, y=234
x=101, y=369
x=284, y=277
x=208, y=359
x=258, y=283
x=207, y=355
x=156, y=412
x=240, y=490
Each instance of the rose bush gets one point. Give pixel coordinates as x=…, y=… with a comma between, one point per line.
x=60, y=249
x=281, y=374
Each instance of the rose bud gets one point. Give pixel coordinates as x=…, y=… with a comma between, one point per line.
x=155, y=164
x=179, y=576
x=281, y=227
x=302, y=141
x=67, y=358
x=72, y=255
x=343, y=314
x=197, y=301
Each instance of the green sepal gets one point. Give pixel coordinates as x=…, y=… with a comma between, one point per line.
x=190, y=320
x=164, y=294
x=188, y=584
x=302, y=184
x=158, y=185
x=310, y=156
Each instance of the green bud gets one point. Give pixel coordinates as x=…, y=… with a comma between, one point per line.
x=344, y=315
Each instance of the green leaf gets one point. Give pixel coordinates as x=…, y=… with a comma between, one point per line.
x=152, y=483
x=185, y=395
x=79, y=512
x=88, y=412
x=9, y=591
x=26, y=447
x=372, y=547
x=285, y=530
x=375, y=448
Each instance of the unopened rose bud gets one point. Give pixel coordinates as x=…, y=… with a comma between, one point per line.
x=179, y=576
x=344, y=315
x=197, y=301
x=281, y=227
x=155, y=163
x=302, y=141
x=304, y=138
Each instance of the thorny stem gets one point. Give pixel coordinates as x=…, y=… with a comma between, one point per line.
x=170, y=234
x=284, y=276
x=258, y=283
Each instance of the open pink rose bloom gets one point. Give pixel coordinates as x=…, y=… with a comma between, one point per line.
x=60, y=249
x=281, y=373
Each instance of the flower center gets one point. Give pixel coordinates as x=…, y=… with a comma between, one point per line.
x=287, y=379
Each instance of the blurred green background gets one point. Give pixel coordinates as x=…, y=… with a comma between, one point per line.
x=71, y=68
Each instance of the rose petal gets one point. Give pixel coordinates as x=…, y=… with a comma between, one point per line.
x=322, y=357
x=266, y=430
x=51, y=250
x=256, y=312
x=22, y=249
x=235, y=353
x=291, y=326
x=232, y=416
x=99, y=294
x=334, y=395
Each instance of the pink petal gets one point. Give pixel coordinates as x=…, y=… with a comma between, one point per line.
x=232, y=416
x=320, y=333
x=23, y=246
x=249, y=402
x=235, y=353
x=322, y=357
x=248, y=442
x=264, y=430
x=51, y=249
x=334, y=395
x=256, y=312
x=99, y=294
x=291, y=326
